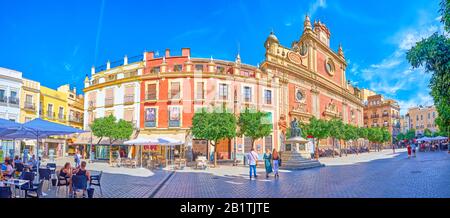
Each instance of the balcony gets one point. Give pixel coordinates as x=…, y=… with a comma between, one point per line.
x=109, y=102
x=61, y=117
x=129, y=99
x=4, y=99
x=50, y=115
x=75, y=119
x=91, y=105
x=375, y=116
x=29, y=106
x=14, y=101
x=385, y=115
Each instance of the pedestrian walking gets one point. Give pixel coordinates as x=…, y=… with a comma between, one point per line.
x=268, y=162
x=276, y=162
x=409, y=150
x=77, y=158
x=252, y=159
x=414, y=149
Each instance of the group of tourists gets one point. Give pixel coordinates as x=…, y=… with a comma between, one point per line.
x=68, y=171
x=8, y=167
x=272, y=161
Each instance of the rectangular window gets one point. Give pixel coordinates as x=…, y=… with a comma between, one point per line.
x=151, y=92
x=421, y=117
x=2, y=96
x=156, y=70
x=175, y=90
x=434, y=115
x=177, y=68
x=128, y=115
x=200, y=92
x=247, y=94
x=267, y=97
x=50, y=110
x=174, y=117
x=61, y=113
x=129, y=94
x=13, y=98
x=220, y=69
x=223, y=91
x=198, y=68
x=150, y=117
x=247, y=144
x=429, y=116
x=109, y=97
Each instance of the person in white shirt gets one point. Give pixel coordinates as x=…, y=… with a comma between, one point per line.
x=252, y=159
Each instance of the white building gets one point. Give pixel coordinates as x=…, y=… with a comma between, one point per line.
x=119, y=94
x=10, y=89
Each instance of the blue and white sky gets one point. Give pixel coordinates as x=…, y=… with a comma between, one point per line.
x=57, y=42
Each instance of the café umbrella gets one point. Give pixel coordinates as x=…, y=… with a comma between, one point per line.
x=39, y=128
x=141, y=141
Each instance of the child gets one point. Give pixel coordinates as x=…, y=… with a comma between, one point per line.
x=409, y=150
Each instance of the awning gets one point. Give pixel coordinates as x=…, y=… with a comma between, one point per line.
x=178, y=137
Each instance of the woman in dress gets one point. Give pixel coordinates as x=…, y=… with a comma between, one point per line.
x=267, y=162
x=276, y=162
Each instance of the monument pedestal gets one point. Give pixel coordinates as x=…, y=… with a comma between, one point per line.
x=296, y=156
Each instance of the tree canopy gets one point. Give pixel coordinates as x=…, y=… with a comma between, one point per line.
x=254, y=124
x=109, y=127
x=214, y=126
x=433, y=53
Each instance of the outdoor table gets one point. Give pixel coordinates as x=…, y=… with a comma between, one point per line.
x=14, y=183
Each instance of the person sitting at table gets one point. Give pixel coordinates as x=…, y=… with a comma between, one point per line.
x=32, y=162
x=17, y=159
x=9, y=172
x=80, y=171
x=66, y=171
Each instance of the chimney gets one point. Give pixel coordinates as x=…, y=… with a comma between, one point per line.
x=150, y=55
x=167, y=53
x=125, y=60
x=186, y=52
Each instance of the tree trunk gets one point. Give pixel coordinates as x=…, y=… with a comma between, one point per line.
x=332, y=152
x=317, y=149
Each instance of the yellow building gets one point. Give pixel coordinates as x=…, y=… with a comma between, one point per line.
x=29, y=100
x=53, y=105
x=75, y=106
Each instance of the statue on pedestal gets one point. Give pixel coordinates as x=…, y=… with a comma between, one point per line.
x=296, y=131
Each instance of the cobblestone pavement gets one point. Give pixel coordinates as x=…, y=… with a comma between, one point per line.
x=118, y=186
x=427, y=175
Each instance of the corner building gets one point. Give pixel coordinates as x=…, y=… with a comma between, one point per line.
x=312, y=79
x=305, y=80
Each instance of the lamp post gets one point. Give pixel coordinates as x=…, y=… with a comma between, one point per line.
x=234, y=111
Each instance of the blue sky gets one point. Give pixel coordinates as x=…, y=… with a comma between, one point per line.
x=57, y=42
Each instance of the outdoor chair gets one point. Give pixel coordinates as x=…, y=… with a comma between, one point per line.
x=96, y=181
x=19, y=167
x=45, y=174
x=62, y=181
x=5, y=192
x=35, y=191
x=29, y=176
x=52, y=165
x=201, y=162
x=79, y=182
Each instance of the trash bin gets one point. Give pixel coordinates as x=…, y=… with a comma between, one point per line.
x=54, y=180
x=90, y=192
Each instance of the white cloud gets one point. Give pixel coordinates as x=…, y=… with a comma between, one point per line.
x=393, y=75
x=315, y=6
x=420, y=99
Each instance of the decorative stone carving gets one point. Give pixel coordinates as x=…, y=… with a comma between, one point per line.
x=282, y=124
